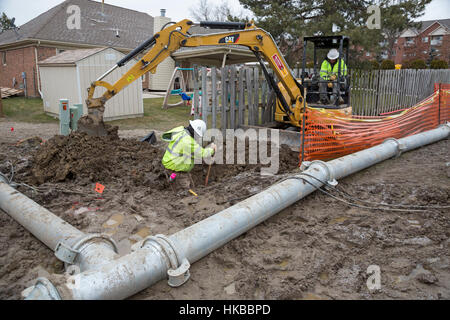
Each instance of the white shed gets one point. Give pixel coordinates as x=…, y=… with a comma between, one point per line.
x=69, y=74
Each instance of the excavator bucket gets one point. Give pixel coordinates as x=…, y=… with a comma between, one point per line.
x=93, y=124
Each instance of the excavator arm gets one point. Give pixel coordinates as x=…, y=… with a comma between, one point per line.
x=175, y=36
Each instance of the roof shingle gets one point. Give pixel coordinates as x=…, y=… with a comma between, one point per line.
x=98, y=26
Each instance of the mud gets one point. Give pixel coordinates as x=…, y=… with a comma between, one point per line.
x=318, y=248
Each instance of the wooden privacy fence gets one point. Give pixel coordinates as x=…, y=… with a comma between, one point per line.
x=240, y=95
x=231, y=96
x=378, y=92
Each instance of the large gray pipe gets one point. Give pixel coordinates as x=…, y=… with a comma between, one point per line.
x=86, y=251
x=157, y=257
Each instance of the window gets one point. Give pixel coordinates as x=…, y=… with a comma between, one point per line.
x=436, y=40
x=425, y=39
x=59, y=51
x=409, y=41
x=4, y=58
x=394, y=53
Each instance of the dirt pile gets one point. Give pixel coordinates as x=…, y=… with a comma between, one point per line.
x=88, y=159
x=85, y=158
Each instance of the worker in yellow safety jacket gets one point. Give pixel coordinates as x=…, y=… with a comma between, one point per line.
x=180, y=155
x=328, y=72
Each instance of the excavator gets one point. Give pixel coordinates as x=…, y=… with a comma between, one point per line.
x=173, y=36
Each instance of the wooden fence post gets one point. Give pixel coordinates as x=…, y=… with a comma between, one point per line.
x=214, y=97
x=233, y=97
x=196, y=89
x=241, y=96
x=223, y=116
x=205, y=100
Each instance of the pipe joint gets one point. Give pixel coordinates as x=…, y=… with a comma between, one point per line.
x=177, y=265
x=331, y=180
x=400, y=146
x=42, y=290
x=69, y=254
x=446, y=126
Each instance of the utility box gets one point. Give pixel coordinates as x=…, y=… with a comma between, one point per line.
x=76, y=112
x=64, y=117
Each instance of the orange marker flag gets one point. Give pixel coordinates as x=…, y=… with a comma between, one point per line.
x=99, y=188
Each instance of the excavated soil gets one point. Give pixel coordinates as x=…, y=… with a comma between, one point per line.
x=319, y=248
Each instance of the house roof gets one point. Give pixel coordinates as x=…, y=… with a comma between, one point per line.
x=98, y=26
x=425, y=24
x=70, y=56
x=411, y=32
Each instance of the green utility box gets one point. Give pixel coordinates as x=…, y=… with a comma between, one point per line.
x=76, y=112
x=64, y=117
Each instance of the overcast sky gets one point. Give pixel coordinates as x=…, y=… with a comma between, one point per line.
x=25, y=10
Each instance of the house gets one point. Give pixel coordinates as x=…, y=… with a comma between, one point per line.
x=101, y=25
x=68, y=74
x=415, y=44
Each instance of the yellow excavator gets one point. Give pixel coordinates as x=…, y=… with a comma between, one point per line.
x=289, y=100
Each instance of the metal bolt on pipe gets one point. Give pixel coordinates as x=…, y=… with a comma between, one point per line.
x=156, y=258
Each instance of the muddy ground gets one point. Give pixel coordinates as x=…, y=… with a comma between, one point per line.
x=319, y=248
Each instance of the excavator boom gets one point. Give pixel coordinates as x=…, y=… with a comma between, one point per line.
x=175, y=36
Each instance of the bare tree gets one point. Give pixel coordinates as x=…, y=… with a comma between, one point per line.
x=202, y=11
x=205, y=10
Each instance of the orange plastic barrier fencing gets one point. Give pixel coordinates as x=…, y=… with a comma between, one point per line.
x=329, y=135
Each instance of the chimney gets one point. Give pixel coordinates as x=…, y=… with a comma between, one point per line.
x=163, y=12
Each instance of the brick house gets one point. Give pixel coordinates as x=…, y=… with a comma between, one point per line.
x=47, y=35
x=415, y=44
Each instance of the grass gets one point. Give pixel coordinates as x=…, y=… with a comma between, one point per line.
x=32, y=110
x=26, y=110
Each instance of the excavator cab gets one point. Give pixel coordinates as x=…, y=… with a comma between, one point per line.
x=312, y=81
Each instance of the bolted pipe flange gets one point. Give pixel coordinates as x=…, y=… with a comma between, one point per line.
x=79, y=245
x=329, y=169
x=178, y=266
x=179, y=276
x=68, y=254
x=65, y=253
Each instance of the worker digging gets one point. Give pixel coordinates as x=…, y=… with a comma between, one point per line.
x=181, y=153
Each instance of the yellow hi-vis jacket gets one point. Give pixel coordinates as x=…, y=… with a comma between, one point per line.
x=182, y=150
x=326, y=71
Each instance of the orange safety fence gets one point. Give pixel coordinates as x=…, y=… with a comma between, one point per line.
x=329, y=134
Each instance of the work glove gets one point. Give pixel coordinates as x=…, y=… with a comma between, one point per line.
x=213, y=146
x=333, y=77
x=330, y=84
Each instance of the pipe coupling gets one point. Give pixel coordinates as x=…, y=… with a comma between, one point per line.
x=177, y=265
x=331, y=180
x=69, y=254
x=43, y=289
x=400, y=146
x=447, y=126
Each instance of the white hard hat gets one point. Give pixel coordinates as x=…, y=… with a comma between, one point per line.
x=199, y=126
x=333, y=54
